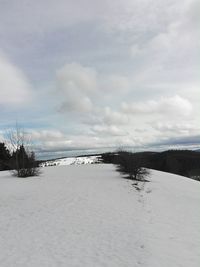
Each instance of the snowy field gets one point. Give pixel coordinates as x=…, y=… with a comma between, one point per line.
x=72, y=161
x=87, y=215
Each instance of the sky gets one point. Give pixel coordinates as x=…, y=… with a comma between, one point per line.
x=85, y=75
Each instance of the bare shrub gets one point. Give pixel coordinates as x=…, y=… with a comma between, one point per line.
x=23, y=162
x=131, y=165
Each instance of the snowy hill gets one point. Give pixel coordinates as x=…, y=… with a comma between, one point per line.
x=71, y=161
x=89, y=216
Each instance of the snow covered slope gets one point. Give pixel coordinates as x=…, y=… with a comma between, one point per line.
x=88, y=216
x=71, y=161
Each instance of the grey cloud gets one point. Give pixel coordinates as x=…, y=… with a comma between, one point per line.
x=46, y=15
x=163, y=56
x=179, y=141
x=110, y=130
x=175, y=128
x=15, y=87
x=82, y=104
x=47, y=135
x=111, y=117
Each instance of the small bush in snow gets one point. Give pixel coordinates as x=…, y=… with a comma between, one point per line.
x=131, y=165
x=24, y=163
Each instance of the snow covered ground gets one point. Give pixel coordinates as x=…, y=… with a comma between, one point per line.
x=88, y=216
x=71, y=161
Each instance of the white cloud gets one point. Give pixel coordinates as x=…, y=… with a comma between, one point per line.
x=111, y=117
x=15, y=88
x=49, y=140
x=47, y=135
x=136, y=19
x=171, y=54
x=168, y=106
x=115, y=84
x=54, y=140
x=108, y=130
x=115, y=100
x=83, y=89
x=2, y=139
x=176, y=129
x=76, y=77
x=75, y=84
x=136, y=51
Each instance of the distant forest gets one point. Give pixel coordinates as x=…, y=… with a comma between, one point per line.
x=19, y=159
x=6, y=158
x=181, y=162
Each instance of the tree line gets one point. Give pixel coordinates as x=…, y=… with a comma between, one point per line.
x=17, y=156
x=20, y=161
x=134, y=165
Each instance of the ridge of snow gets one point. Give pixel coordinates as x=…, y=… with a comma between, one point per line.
x=90, y=216
x=71, y=161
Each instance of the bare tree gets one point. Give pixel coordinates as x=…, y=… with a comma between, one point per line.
x=23, y=158
x=132, y=165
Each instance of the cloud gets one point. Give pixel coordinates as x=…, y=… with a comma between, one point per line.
x=47, y=135
x=143, y=69
x=49, y=140
x=184, y=140
x=47, y=15
x=170, y=55
x=74, y=76
x=83, y=89
x=178, y=128
x=15, y=88
x=2, y=139
x=167, y=106
x=116, y=84
x=189, y=142
x=111, y=117
x=89, y=93
x=76, y=83
x=55, y=140
x=124, y=16
x=105, y=130
x=76, y=104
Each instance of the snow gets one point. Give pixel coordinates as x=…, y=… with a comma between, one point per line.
x=87, y=215
x=71, y=161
